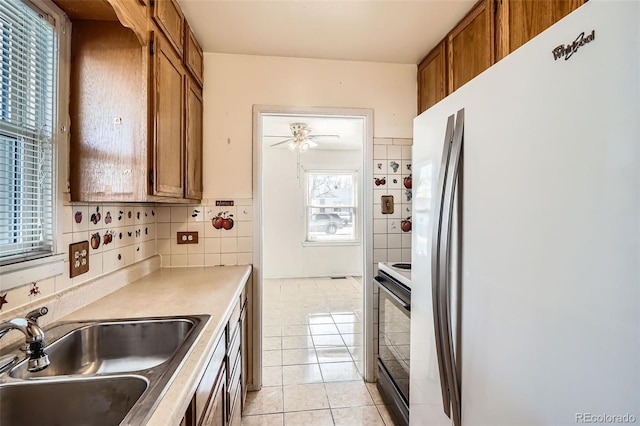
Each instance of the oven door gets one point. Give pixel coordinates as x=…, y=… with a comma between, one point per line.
x=394, y=325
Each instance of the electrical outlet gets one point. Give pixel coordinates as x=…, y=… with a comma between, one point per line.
x=78, y=258
x=188, y=237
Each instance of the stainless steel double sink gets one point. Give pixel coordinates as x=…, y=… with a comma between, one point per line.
x=101, y=373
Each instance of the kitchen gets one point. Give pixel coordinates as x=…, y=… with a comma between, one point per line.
x=230, y=92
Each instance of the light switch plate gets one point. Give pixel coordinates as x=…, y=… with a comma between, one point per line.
x=386, y=202
x=78, y=258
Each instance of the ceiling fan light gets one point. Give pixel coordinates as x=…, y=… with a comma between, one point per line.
x=304, y=147
x=292, y=146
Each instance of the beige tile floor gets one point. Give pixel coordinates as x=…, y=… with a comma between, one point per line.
x=312, y=357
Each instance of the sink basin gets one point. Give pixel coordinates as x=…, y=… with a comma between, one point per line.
x=102, y=372
x=80, y=401
x=112, y=347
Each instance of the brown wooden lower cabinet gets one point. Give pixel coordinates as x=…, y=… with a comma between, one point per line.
x=219, y=397
x=215, y=413
x=244, y=329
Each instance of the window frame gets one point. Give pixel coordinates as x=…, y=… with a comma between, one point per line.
x=21, y=271
x=307, y=206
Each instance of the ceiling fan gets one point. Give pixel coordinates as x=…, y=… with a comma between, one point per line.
x=301, y=138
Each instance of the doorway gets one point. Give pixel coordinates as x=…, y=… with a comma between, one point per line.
x=313, y=222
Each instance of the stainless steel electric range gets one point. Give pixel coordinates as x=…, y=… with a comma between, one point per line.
x=394, y=328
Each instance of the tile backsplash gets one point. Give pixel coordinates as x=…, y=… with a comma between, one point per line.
x=392, y=176
x=119, y=235
x=216, y=246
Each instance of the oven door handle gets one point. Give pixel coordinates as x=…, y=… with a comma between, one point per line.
x=398, y=301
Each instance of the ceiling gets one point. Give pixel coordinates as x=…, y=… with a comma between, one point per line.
x=393, y=31
x=349, y=129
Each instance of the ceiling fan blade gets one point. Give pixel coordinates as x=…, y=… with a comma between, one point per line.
x=324, y=136
x=281, y=142
x=311, y=143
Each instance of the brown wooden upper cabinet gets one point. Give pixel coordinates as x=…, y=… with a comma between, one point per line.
x=193, y=129
x=432, y=78
x=470, y=45
x=489, y=32
x=135, y=108
x=193, y=58
x=169, y=18
x=168, y=82
x=519, y=21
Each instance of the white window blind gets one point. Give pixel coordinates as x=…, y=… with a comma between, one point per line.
x=27, y=93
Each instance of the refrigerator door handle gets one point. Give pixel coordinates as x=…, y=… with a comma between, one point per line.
x=445, y=268
x=436, y=255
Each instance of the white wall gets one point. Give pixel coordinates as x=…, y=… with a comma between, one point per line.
x=285, y=254
x=234, y=83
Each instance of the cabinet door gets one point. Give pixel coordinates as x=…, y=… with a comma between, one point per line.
x=432, y=78
x=215, y=413
x=169, y=18
x=244, y=349
x=168, y=120
x=471, y=45
x=521, y=20
x=193, y=126
x=193, y=57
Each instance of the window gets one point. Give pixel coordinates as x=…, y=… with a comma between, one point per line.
x=331, y=203
x=28, y=81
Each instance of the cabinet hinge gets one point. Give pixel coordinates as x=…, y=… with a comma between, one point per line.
x=151, y=177
x=152, y=47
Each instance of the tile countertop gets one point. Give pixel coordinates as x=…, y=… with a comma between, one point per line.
x=177, y=291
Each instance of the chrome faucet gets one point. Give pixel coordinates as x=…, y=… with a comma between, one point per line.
x=34, y=342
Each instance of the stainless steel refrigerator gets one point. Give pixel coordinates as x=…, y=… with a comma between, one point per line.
x=526, y=234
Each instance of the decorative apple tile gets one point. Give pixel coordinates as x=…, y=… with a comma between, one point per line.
x=405, y=224
x=407, y=182
x=109, y=239
x=95, y=242
x=379, y=181
x=223, y=220
x=80, y=219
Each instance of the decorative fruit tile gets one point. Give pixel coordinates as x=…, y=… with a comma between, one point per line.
x=95, y=216
x=380, y=181
x=80, y=218
x=380, y=167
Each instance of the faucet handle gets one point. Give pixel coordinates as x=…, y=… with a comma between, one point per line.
x=37, y=313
